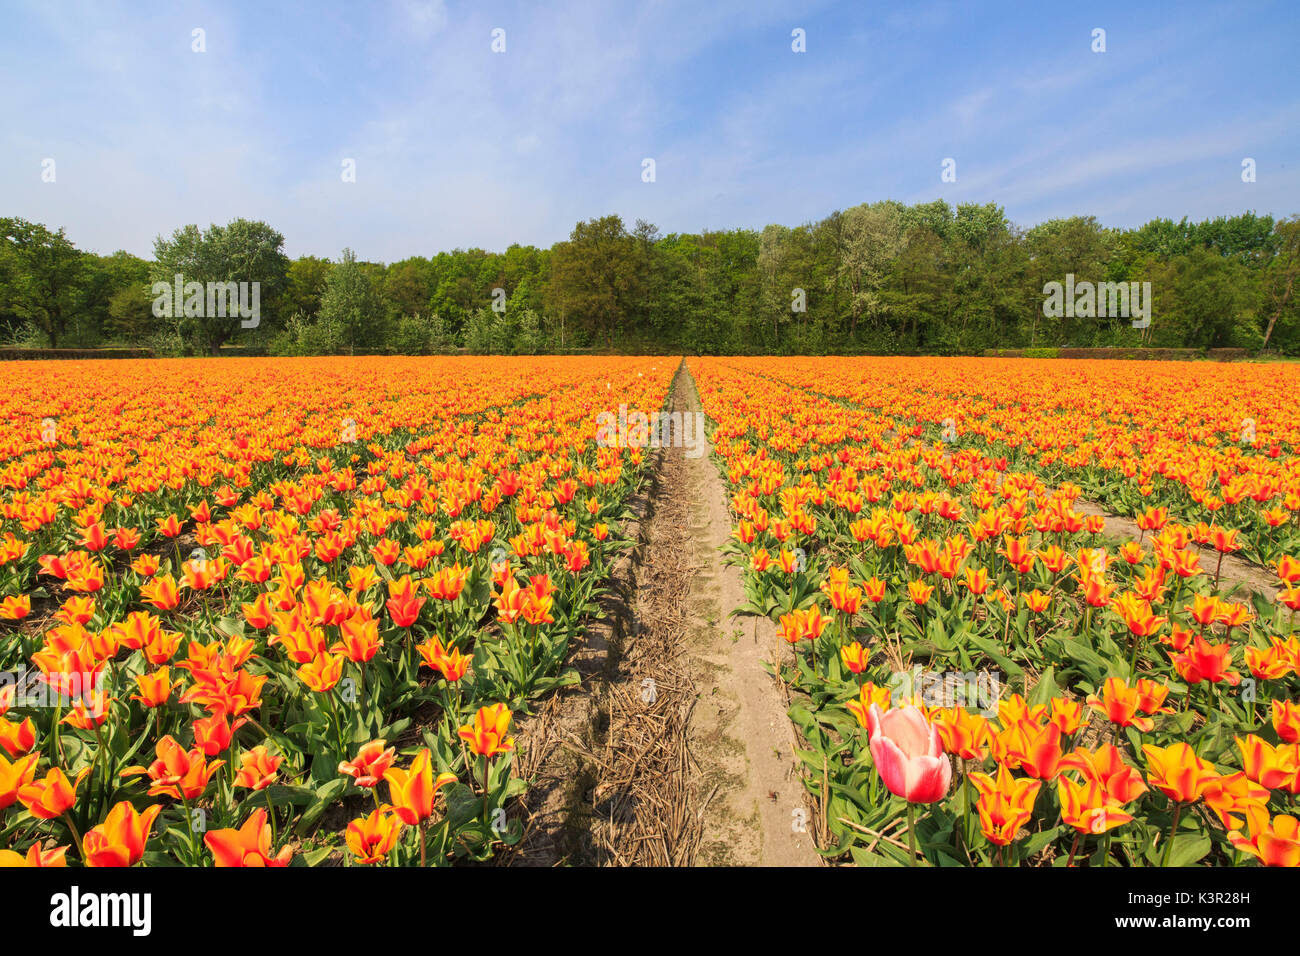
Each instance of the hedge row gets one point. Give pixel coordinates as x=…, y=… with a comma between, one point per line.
x=1115, y=352
x=14, y=354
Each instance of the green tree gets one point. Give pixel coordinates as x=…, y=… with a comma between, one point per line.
x=597, y=275
x=307, y=276
x=1280, y=276
x=350, y=309
x=243, y=251
x=44, y=272
x=872, y=240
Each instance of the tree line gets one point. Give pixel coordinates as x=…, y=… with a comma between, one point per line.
x=882, y=277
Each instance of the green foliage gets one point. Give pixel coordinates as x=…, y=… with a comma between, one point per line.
x=243, y=251
x=882, y=277
x=42, y=271
x=419, y=335
x=350, y=316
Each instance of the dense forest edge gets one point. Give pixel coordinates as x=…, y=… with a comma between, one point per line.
x=881, y=278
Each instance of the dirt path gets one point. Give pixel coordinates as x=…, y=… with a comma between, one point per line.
x=739, y=731
x=675, y=750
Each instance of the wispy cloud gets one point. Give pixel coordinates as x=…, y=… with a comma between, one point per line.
x=456, y=145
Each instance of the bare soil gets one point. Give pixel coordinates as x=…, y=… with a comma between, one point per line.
x=675, y=750
x=740, y=732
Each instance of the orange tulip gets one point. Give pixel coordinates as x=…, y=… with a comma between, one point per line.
x=250, y=845
x=257, y=769
x=360, y=638
x=1131, y=552
x=1286, y=721
x=88, y=712
x=52, y=796
x=1037, y=601
x=1066, y=714
x=1033, y=748
x=790, y=629
x=874, y=589
x=161, y=592
x=14, y=776
x=413, y=791
x=15, y=608
x=1151, y=696
x=1273, y=843
x=1120, y=703
x=1186, y=564
x=1105, y=766
x=1234, y=615
x=1018, y=552
x=177, y=771
x=843, y=598
x=17, y=739
x=1206, y=662
x=120, y=839
x=1054, y=558
x=403, y=603
x=510, y=602
x=1204, y=608
x=869, y=694
x=976, y=580
x=371, y=764
x=146, y=565
x=35, y=857
x=155, y=688
x=214, y=733
x=1231, y=795
x=1277, y=768
x=919, y=592
x=1088, y=808
x=323, y=673
x=1096, y=589
x=169, y=526
x=1269, y=663
x=1005, y=804
x=1136, y=614
x=813, y=622
x=855, y=657
x=1224, y=540
x=372, y=837
x=1177, y=772
x=487, y=735
x=964, y=734
x=1290, y=597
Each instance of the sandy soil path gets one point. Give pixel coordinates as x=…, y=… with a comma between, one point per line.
x=675, y=750
x=740, y=734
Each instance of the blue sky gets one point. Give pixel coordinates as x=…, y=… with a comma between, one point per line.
x=458, y=146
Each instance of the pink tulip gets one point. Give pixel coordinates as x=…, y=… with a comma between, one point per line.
x=908, y=754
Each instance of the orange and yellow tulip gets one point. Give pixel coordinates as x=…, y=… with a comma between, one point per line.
x=413, y=791
x=250, y=845
x=120, y=839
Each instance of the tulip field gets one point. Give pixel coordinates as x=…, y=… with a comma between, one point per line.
x=982, y=674
x=260, y=614
x=290, y=612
